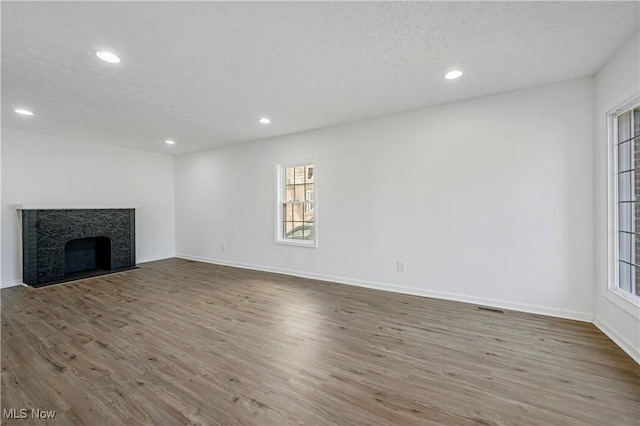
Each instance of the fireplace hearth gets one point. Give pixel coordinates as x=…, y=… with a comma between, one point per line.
x=66, y=244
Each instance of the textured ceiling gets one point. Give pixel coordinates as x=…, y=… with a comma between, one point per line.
x=202, y=73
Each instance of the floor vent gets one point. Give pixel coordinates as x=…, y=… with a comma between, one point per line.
x=489, y=309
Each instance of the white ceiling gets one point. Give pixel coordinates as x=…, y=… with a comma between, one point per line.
x=202, y=73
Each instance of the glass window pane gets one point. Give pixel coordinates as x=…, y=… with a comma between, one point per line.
x=624, y=127
x=297, y=231
x=309, y=187
x=308, y=231
x=308, y=207
x=624, y=186
x=289, y=193
x=635, y=153
x=626, y=217
x=299, y=175
x=625, y=276
x=299, y=193
x=624, y=157
x=288, y=176
x=288, y=228
x=625, y=247
x=288, y=214
x=637, y=252
x=309, y=173
x=636, y=122
x=636, y=279
x=298, y=213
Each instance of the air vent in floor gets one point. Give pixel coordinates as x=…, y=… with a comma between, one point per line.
x=490, y=309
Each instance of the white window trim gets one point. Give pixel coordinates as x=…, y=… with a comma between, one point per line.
x=623, y=299
x=280, y=197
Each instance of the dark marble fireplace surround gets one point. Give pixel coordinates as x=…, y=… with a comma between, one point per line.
x=46, y=232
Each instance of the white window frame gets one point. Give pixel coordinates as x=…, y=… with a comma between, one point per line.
x=623, y=298
x=280, y=199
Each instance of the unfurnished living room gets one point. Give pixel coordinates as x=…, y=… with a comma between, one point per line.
x=320, y=213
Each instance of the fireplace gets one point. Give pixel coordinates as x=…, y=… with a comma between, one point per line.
x=67, y=244
x=87, y=256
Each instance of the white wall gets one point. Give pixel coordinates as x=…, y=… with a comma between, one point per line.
x=488, y=200
x=617, y=82
x=38, y=168
x=1, y=213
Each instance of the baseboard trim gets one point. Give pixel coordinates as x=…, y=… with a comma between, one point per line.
x=623, y=343
x=153, y=259
x=13, y=284
x=534, y=309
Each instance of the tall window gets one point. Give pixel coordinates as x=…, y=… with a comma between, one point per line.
x=296, y=205
x=625, y=135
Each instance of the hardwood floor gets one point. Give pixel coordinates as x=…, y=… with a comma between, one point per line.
x=181, y=342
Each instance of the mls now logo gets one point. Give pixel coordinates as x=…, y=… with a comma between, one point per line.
x=23, y=413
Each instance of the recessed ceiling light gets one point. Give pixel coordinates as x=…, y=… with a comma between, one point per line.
x=23, y=111
x=170, y=142
x=451, y=75
x=108, y=57
x=264, y=120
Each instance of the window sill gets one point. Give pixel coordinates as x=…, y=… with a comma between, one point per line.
x=625, y=301
x=300, y=243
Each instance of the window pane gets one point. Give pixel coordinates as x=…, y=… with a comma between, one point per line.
x=288, y=212
x=308, y=207
x=288, y=228
x=626, y=217
x=624, y=186
x=624, y=127
x=625, y=276
x=625, y=247
x=299, y=175
x=635, y=152
x=309, y=173
x=297, y=231
x=298, y=213
x=288, y=176
x=289, y=193
x=299, y=195
x=636, y=122
x=308, y=230
x=624, y=156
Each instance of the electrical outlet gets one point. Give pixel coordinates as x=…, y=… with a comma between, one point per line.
x=224, y=247
x=400, y=265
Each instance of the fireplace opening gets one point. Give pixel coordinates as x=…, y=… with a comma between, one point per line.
x=85, y=257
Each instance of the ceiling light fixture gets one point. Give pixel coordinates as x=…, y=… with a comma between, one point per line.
x=108, y=57
x=170, y=142
x=264, y=120
x=452, y=75
x=23, y=111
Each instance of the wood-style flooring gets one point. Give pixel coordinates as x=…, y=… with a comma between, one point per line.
x=177, y=342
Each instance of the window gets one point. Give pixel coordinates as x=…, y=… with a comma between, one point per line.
x=296, y=205
x=624, y=131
